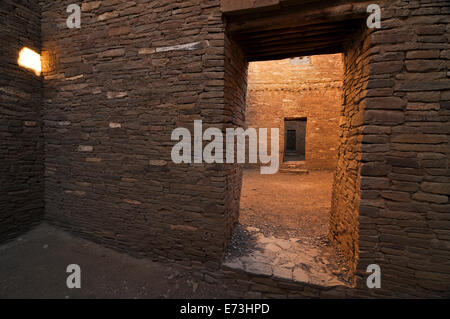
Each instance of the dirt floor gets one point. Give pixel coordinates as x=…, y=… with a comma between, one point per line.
x=34, y=266
x=287, y=205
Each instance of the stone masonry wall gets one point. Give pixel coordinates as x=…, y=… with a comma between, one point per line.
x=404, y=213
x=235, y=92
x=280, y=89
x=116, y=88
x=390, y=202
x=114, y=92
x=391, y=192
x=21, y=147
x=346, y=188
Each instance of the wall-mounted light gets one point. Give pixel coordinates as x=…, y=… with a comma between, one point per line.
x=30, y=59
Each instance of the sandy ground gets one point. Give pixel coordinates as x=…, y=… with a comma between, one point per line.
x=287, y=205
x=34, y=266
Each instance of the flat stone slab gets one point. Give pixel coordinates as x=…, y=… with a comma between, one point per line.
x=259, y=269
x=282, y=272
x=301, y=275
x=292, y=259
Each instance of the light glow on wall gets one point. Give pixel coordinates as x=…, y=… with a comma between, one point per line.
x=30, y=59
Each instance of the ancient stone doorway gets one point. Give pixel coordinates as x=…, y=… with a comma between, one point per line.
x=291, y=31
x=294, y=139
x=283, y=228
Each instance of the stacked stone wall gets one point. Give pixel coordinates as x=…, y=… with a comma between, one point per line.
x=21, y=146
x=280, y=90
x=115, y=89
x=235, y=93
x=405, y=183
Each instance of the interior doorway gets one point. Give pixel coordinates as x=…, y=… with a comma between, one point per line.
x=294, y=139
x=284, y=218
x=297, y=34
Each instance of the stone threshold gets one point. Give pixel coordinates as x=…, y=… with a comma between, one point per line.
x=294, y=167
x=295, y=260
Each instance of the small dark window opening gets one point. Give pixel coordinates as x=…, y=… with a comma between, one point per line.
x=291, y=140
x=294, y=139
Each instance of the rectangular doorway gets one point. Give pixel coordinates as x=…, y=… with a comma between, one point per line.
x=294, y=139
x=284, y=218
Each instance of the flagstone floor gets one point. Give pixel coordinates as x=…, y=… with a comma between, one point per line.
x=283, y=230
x=296, y=259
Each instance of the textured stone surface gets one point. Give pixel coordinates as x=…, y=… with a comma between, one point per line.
x=108, y=274
x=384, y=183
x=21, y=146
x=289, y=259
x=134, y=72
x=346, y=190
x=279, y=90
x=401, y=217
x=107, y=89
x=243, y=5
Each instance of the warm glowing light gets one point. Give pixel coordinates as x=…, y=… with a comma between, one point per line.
x=30, y=59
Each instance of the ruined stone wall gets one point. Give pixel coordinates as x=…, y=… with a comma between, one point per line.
x=115, y=89
x=346, y=188
x=235, y=92
x=405, y=184
x=390, y=200
x=401, y=168
x=21, y=151
x=283, y=89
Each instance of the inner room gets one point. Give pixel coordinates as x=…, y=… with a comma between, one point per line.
x=284, y=218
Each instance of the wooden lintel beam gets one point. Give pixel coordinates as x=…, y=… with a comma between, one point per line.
x=293, y=46
x=315, y=28
x=339, y=35
x=298, y=17
x=286, y=55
